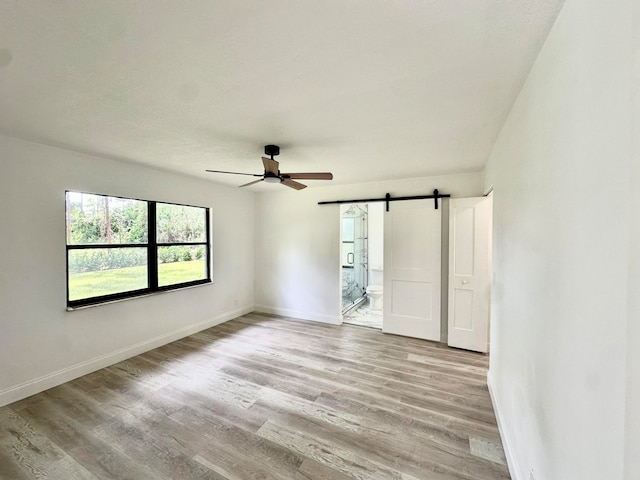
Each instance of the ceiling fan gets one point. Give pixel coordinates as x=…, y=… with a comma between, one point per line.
x=272, y=172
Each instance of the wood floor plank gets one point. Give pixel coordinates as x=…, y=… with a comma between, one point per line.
x=400, y=454
x=312, y=470
x=437, y=448
x=239, y=452
x=31, y=454
x=265, y=397
x=327, y=453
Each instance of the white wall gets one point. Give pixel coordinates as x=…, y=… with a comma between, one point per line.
x=41, y=344
x=298, y=241
x=632, y=420
x=561, y=172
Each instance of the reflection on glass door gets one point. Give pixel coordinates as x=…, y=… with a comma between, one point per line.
x=354, y=255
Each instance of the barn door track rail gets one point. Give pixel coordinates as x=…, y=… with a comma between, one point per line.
x=388, y=199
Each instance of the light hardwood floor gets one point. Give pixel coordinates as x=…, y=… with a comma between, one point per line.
x=265, y=397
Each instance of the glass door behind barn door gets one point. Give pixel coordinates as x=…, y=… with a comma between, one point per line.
x=354, y=256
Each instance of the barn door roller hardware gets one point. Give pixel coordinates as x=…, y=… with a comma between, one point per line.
x=388, y=198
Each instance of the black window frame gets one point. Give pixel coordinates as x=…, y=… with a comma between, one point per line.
x=151, y=246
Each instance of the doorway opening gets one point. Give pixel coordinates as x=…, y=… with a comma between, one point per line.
x=354, y=255
x=362, y=263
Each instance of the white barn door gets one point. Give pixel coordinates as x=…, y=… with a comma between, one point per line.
x=469, y=272
x=412, y=266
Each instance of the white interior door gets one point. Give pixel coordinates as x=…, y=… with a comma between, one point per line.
x=469, y=272
x=412, y=263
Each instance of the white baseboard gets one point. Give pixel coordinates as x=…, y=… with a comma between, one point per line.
x=26, y=389
x=304, y=315
x=512, y=463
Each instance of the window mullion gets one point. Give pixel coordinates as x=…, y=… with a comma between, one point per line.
x=152, y=261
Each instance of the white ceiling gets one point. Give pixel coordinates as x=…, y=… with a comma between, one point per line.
x=367, y=89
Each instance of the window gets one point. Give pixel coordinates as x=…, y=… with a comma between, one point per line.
x=122, y=247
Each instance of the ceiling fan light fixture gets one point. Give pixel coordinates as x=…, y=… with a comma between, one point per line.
x=272, y=179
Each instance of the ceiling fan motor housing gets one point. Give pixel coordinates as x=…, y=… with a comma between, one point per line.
x=271, y=150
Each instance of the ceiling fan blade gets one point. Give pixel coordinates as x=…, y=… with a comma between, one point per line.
x=235, y=173
x=270, y=166
x=290, y=183
x=309, y=176
x=250, y=183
